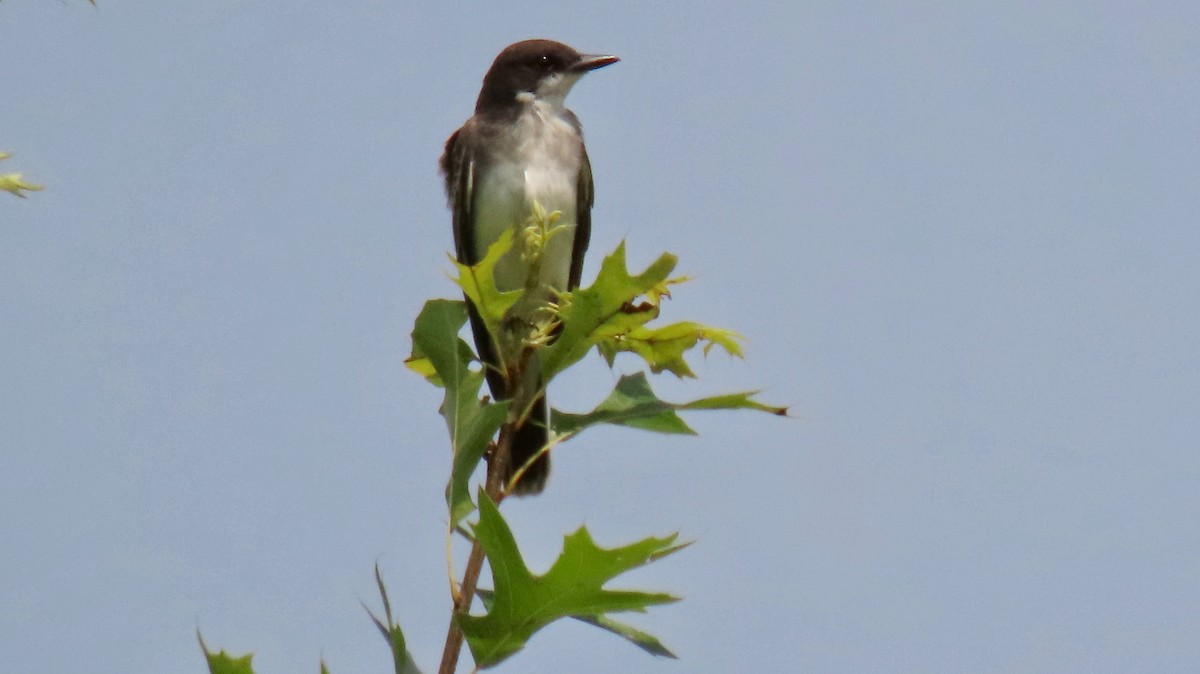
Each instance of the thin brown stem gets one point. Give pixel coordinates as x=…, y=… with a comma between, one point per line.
x=454, y=636
x=466, y=591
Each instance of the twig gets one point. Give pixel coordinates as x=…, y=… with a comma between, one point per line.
x=466, y=592
x=454, y=636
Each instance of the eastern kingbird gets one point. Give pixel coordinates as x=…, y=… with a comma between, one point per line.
x=523, y=146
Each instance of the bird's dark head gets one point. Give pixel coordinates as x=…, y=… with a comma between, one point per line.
x=542, y=70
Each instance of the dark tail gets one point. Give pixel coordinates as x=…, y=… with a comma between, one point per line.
x=532, y=435
x=528, y=439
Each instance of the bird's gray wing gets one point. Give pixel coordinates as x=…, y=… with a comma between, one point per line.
x=458, y=167
x=584, y=196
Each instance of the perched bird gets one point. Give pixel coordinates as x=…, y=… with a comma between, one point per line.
x=523, y=146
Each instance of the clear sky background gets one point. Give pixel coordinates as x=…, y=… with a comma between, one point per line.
x=960, y=238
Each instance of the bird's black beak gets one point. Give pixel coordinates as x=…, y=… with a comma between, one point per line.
x=588, y=62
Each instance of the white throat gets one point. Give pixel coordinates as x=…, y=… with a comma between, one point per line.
x=552, y=90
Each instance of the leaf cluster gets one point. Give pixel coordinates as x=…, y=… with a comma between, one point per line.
x=616, y=313
x=612, y=315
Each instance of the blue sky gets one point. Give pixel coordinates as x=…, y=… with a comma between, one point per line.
x=961, y=242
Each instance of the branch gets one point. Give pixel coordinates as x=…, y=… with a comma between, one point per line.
x=466, y=590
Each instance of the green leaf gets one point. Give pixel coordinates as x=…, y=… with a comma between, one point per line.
x=647, y=642
x=417, y=362
x=223, y=663
x=523, y=603
x=633, y=403
x=471, y=423
x=14, y=183
x=478, y=282
x=605, y=308
x=663, y=348
x=401, y=658
x=435, y=340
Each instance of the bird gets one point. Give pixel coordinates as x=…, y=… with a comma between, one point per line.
x=523, y=146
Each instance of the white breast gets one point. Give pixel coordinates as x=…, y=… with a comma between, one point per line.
x=544, y=156
x=548, y=147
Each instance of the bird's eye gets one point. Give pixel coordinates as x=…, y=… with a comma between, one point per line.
x=545, y=62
